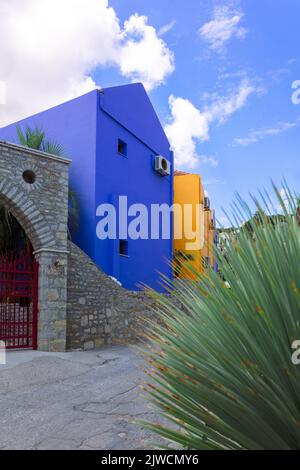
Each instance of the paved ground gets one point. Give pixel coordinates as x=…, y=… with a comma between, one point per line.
x=76, y=400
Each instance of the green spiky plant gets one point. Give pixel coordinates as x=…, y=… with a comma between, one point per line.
x=221, y=368
x=180, y=258
x=36, y=139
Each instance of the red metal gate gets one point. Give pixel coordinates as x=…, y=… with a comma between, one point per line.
x=18, y=300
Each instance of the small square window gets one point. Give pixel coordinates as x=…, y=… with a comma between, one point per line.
x=122, y=148
x=124, y=247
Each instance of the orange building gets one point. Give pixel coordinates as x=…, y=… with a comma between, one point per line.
x=194, y=230
x=188, y=223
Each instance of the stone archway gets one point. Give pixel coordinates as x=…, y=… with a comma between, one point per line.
x=34, y=188
x=27, y=214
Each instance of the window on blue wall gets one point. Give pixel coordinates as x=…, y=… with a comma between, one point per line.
x=124, y=247
x=122, y=148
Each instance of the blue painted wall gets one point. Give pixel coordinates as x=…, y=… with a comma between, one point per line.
x=88, y=128
x=73, y=125
x=126, y=113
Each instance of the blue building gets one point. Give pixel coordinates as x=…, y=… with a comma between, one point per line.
x=114, y=138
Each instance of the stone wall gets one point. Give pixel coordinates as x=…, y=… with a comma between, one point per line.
x=40, y=205
x=80, y=307
x=100, y=311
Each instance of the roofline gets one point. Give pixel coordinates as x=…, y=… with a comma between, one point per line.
x=31, y=151
x=44, y=110
x=181, y=173
x=36, y=114
x=116, y=119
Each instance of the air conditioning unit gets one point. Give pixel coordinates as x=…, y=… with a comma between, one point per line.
x=206, y=203
x=162, y=165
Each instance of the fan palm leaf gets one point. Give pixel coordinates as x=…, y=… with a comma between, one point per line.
x=52, y=147
x=35, y=138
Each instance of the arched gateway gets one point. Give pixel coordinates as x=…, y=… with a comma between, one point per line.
x=34, y=188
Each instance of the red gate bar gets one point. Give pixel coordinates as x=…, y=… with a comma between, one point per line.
x=18, y=300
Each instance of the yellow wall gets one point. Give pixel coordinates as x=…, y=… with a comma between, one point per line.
x=188, y=190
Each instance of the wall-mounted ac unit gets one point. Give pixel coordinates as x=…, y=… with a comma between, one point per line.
x=162, y=165
x=206, y=203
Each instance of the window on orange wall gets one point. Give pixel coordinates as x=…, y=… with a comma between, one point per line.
x=122, y=148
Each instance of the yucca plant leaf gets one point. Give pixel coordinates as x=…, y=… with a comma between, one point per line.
x=220, y=359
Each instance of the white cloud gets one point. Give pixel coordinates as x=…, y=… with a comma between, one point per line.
x=143, y=55
x=221, y=107
x=224, y=26
x=189, y=126
x=49, y=48
x=256, y=135
x=166, y=28
x=209, y=160
x=2, y=92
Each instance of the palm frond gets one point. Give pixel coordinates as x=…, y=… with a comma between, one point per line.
x=35, y=138
x=21, y=136
x=32, y=138
x=54, y=148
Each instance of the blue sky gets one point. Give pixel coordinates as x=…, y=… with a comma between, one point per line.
x=219, y=74
x=266, y=54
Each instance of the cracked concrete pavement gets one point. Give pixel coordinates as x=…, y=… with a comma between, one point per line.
x=74, y=400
